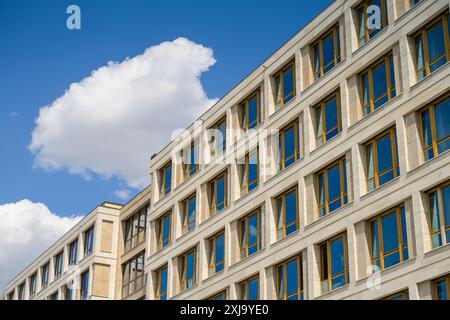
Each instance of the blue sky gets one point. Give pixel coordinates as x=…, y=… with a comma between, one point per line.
x=40, y=58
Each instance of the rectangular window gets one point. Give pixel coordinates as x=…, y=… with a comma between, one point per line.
x=289, y=145
x=89, y=241
x=328, y=118
x=369, y=23
x=432, y=46
x=73, y=252
x=188, y=269
x=190, y=160
x=218, y=140
x=21, y=292
x=382, y=159
x=377, y=84
x=164, y=230
x=332, y=183
x=388, y=238
x=327, y=52
x=287, y=213
x=290, y=279
x=216, y=257
x=68, y=293
x=222, y=295
x=439, y=215
x=217, y=191
x=33, y=285
x=133, y=274
x=334, y=263
x=402, y=295
x=166, y=179
x=45, y=273
x=250, y=234
x=250, y=111
x=435, y=128
x=442, y=288
x=161, y=284
x=135, y=227
x=84, y=291
x=284, y=85
x=189, y=213
x=58, y=263
x=249, y=288
x=249, y=172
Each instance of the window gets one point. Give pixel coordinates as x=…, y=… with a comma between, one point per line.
x=432, y=46
x=290, y=279
x=334, y=263
x=382, y=159
x=250, y=234
x=33, y=285
x=166, y=179
x=190, y=160
x=439, y=215
x=84, y=291
x=287, y=214
x=435, y=128
x=45, y=272
x=377, y=84
x=133, y=274
x=217, y=191
x=188, y=269
x=388, y=238
x=218, y=140
x=188, y=215
x=285, y=85
x=402, y=295
x=89, y=241
x=161, y=284
x=327, y=52
x=53, y=296
x=414, y=2
x=58, y=264
x=249, y=172
x=67, y=292
x=289, y=145
x=21, y=292
x=164, y=230
x=442, y=288
x=368, y=24
x=10, y=295
x=135, y=227
x=250, y=288
x=73, y=252
x=222, y=295
x=216, y=258
x=332, y=183
x=328, y=118
x=250, y=111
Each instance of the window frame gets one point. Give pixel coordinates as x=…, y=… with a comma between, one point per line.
x=446, y=279
x=245, y=169
x=245, y=223
x=245, y=284
x=134, y=238
x=21, y=291
x=87, y=235
x=282, y=143
x=218, y=294
x=322, y=105
x=192, y=166
x=330, y=277
x=164, y=190
x=319, y=44
x=404, y=295
x=280, y=76
x=135, y=283
x=84, y=291
x=212, y=201
x=159, y=273
x=212, y=253
x=58, y=264
x=187, y=226
x=183, y=258
x=244, y=109
x=45, y=275
x=160, y=227
x=443, y=229
x=367, y=33
x=33, y=285
x=300, y=281
x=73, y=253
x=282, y=196
x=214, y=143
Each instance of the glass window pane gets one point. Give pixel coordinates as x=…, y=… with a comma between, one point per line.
x=322, y=193
x=384, y=150
x=420, y=58
x=390, y=232
x=253, y=289
x=292, y=277
x=289, y=146
x=442, y=117
x=370, y=167
x=436, y=43
x=379, y=82
x=334, y=182
x=337, y=256
x=221, y=193
x=374, y=239
x=190, y=269
x=365, y=93
x=426, y=129
x=280, y=282
x=435, y=223
x=291, y=207
x=446, y=201
x=253, y=112
x=319, y=125
x=253, y=229
x=278, y=91
x=328, y=52
x=441, y=290
x=288, y=83
x=317, y=61
x=331, y=116
x=220, y=251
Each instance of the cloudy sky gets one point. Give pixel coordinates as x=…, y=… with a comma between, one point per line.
x=82, y=111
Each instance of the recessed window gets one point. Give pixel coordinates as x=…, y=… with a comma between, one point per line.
x=439, y=215
x=133, y=274
x=166, y=179
x=327, y=52
x=188, y=269
x=290, y=279
x=164, y=230
x=249, y=172
x=402, y=295
x=334, y=263
x=332, y=184
x=135, y=227
x=382, y=159
x=21, y=292
x=217, y=193
x=249, y=288
x=45, y=273
x=328, y=118
x=222, y=295
x=284, y=85
x=10, y=296
x=250, y=234
x=218, y=139
x=73, y=252
x=58, y=264
x=289, y=145
x=250, y=111
x=435, y=128
x=287, y=213
x=377, y=84
x=53, y=296
x=388, y=238
x=84, y=291
x=188, y=214
x=89, y=241
x=67, y=292
x=432, y=46
x=33, y=285
x=441, y=288
x=161, y=284
x=369, y=23
x=216, y=256
x=190, y=160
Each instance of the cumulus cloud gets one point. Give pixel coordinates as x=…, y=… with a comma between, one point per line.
x=27, y=229
x=111, y=122
x=123, y=194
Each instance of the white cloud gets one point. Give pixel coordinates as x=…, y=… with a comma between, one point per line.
x=111, y=122
x=27, y=229
x=123, y=194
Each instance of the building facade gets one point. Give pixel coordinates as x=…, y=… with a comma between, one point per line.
x=324, y=174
